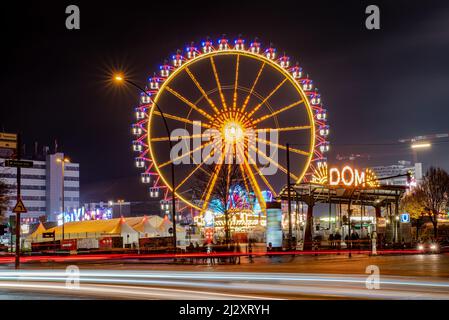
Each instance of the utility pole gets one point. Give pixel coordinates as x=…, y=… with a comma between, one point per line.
x=19, y=155
x=289, y=199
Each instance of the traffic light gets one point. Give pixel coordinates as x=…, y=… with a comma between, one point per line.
x=12, y=224
x=3, y=228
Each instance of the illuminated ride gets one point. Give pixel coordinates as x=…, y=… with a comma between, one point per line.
x=232, y=88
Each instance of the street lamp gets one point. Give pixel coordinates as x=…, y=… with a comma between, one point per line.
x=120, y=202
x=119, y=79
x=63, y=161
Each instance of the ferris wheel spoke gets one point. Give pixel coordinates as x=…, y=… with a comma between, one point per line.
x=267, y=97
x=273, y=162
x=189, y=103
x=217, y=79
x=261, y=175
x=234, y=102
x=193, y=171
x=245, y=182
x=200, y=88
x=253, y=181
x=185, y=154
x=280, y=146
x=252, y=88
x=294, y=128
x=181, y=119
x=211, y=184
x=275, y=113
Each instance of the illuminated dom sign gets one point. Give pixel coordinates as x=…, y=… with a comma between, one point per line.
x=346, y=176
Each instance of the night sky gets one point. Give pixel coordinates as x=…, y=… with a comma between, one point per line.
x=378, y=86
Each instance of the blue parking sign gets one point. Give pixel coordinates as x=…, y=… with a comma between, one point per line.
x=405, y=218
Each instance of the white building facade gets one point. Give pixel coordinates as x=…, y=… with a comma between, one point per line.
x=402, y=167
x=41, y=188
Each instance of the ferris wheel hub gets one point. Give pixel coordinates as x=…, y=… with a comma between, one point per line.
x=233, y=132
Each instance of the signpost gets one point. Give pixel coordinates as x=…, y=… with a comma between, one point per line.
x=405, y=218
x=18, y=163
x=19, y=207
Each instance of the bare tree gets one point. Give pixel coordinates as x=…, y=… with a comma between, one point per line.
x=228, y=177
x=4, y=198
x=430, y=197
x=413, y=202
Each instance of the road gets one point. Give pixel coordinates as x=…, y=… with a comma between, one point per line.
x=301, y=277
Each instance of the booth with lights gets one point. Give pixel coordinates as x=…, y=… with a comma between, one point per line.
x=246, y=219
x=347, y=200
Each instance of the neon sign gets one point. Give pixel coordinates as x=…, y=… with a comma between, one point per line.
x=346, y=176
x=81, y=214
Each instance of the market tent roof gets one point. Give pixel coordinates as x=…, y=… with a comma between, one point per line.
x=155, y=221
x=40, y=229
x=167, y=224
x=133, y=221
x=144, y=226
x=112, y=226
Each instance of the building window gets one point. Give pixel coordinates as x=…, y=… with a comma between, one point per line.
x=72, y=168
x=23, y=176
x=71, y=188
x=71, y=199
x=26, y=187
x=35, y=198
x=71, y=179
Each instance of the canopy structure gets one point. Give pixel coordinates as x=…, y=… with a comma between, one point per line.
x=316, y=193
x=91, y=229
x=128, y=228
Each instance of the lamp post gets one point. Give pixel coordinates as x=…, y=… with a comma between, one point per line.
x=120, y=202
x=290, y=235
x=63, y=161
x=122, y=79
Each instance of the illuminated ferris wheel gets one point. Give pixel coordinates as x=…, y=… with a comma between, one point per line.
x=255, y=101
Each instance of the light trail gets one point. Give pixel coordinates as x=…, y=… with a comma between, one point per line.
x=221, y=285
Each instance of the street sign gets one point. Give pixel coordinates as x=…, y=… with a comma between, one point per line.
x=19, y=207
x=48, y=235
x=405, y=218
x=18, y=163
x=8, y=144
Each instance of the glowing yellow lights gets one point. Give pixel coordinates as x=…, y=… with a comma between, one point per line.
x=233, y=132
x=119, y=78
x=347, y=176
x=421, y=145
x=66, y=160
